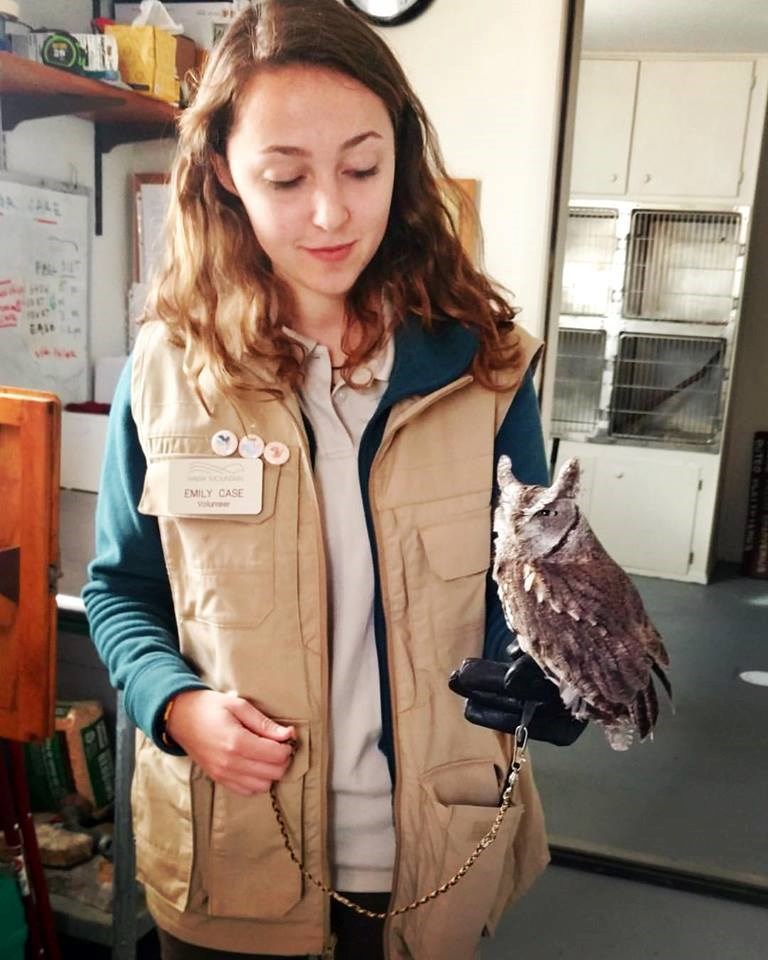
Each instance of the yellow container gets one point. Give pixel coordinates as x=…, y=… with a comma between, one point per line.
x=147, y=60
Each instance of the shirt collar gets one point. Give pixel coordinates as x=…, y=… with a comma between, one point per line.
x=380, y=364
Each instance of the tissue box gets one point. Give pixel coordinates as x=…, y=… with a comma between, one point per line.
x=203, y=22
x=147, y=60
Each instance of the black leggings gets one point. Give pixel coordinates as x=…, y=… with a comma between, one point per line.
x=358, y=937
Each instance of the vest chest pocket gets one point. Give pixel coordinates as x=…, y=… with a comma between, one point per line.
x=457, y=552
x=221, y=567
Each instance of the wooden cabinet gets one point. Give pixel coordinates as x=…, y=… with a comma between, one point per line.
x=29, y=557
x=662, y=128
x=604, y=110
x=690, y=126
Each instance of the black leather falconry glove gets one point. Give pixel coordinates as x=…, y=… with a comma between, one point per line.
x=498, y=693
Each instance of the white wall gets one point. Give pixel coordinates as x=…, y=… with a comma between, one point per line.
x=489, y=75
x=490, y=81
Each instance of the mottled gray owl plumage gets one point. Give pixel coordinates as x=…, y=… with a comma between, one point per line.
x=575, y=611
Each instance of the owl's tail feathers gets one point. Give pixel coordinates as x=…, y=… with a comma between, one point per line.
x=664, y=682
x=619, y=735
x=644, y=711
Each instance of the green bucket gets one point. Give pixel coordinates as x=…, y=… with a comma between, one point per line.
x=13, y=926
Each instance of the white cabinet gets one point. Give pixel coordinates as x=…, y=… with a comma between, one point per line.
x=653, y=510
x=643, y=513
x=661, y=128
x=604, y=109
x=690, y=126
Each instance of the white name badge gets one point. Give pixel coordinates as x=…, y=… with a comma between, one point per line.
x=215, y=486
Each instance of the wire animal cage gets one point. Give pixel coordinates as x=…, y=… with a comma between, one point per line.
x=667, y=388
x=681, y=265
x=578, y=381
x=590, y=245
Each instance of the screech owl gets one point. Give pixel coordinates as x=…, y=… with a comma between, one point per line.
x=575, y=611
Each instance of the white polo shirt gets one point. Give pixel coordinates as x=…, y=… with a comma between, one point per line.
x=362, y=833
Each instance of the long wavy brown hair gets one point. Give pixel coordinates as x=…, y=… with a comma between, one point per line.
x=216, y=290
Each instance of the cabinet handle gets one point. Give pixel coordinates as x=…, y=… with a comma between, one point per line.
x=614, y=177
x=619, y=474
x=647, y=178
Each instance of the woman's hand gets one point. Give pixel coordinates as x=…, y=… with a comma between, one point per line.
x=232, y=741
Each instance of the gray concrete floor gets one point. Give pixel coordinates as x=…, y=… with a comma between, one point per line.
x=696, y=796
x=580, y=916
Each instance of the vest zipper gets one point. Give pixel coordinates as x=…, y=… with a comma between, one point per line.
x=392, y=428
x=396, y=796
x=328, y=941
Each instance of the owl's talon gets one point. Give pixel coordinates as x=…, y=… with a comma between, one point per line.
x=520, y=662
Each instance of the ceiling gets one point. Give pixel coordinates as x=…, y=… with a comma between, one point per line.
x=693, y=26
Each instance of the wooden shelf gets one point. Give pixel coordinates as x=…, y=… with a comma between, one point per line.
x=32, y=90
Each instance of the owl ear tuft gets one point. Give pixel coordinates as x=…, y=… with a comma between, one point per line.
x=504, y=473
x=567, y=483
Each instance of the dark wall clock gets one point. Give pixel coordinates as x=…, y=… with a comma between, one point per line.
x=388, y=13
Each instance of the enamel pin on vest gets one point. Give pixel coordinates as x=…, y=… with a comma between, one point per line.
x=223, y=443
x=276, y=453
x=251, y=446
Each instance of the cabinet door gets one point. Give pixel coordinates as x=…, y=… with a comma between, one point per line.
x=690, y=125
x=29, y=558
x=604, y=107
x=643, y=513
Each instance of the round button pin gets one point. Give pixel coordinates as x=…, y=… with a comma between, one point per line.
x=251, y=446
x=276, y=453
x=361, y=377
x=223, y=443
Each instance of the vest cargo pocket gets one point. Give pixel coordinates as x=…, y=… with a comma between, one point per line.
x=460, y=804
x=162, y=821
x=250, y=873
x=458, y=553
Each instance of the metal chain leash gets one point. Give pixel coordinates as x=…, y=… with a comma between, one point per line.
x=518, y=759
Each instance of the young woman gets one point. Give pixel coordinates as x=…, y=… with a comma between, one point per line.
x=294, y=526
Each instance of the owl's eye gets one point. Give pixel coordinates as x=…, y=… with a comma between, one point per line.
x=545, y=513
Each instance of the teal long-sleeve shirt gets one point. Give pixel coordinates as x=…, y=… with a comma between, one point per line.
x=128, y=597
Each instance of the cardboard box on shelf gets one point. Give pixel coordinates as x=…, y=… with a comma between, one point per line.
x=83, y=438
x=186, y=60
x=147, y=60
x=48, y=774
x=89, y=750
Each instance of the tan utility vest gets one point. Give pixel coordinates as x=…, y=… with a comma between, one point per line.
x=250, y=601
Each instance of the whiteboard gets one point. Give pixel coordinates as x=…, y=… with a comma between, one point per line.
x=44, y=287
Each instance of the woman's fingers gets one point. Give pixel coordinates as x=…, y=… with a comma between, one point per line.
x=219, y=732
x=254, y=720
x=246, y=788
